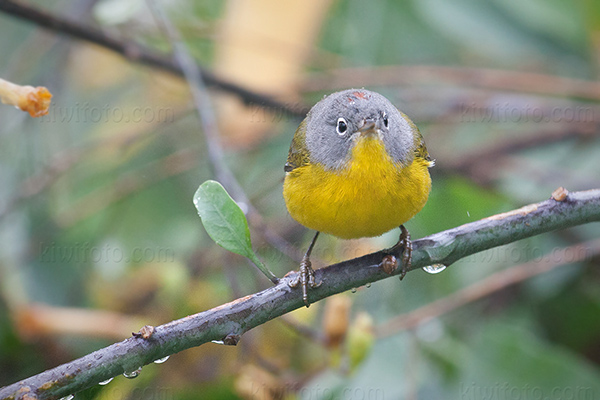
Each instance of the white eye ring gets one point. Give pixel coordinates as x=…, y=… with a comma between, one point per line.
x=341, y=127
x=385, y=119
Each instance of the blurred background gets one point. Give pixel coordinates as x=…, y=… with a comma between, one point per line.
x=99, y=235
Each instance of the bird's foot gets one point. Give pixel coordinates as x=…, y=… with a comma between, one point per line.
x=390, y=264
x=305, y=278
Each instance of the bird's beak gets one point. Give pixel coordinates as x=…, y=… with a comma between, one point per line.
x=369, y=126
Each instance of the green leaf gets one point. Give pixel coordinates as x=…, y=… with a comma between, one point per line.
x=226, y=223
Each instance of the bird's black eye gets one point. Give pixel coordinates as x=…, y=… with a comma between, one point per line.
x=385, y=119
x=342, y=126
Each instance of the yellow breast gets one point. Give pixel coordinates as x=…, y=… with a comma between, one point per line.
x=371, y=196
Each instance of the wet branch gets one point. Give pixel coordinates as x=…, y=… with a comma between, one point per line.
x=228, y=322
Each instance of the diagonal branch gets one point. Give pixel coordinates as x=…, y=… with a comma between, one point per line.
x=228, y=322
x=138, y=53
x=202, y=101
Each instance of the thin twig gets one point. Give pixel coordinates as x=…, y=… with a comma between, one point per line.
x=228, y=322
x=138, y=53
x=194, y=77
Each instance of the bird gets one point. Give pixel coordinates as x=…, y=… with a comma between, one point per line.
x=357, y=167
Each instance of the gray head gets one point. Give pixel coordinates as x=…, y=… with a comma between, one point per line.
x=334, y=124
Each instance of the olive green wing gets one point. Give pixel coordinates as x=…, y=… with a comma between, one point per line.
x=421, y=148
x=298, y=155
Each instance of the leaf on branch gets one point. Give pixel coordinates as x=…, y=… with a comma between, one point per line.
x=226, y=223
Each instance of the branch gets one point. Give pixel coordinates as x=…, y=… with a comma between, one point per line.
x=194, y=77
x=138, y=53
x=228, y=322
x=203, y=104
x=493, y=79
x=181, y=65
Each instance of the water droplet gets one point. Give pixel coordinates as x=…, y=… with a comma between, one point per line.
x=434, y=268
x=218, y=341
x=132, y=374
x=161, y=360
x=106, y=382
x=69, y=397
x=353, y=290
x=368, y=285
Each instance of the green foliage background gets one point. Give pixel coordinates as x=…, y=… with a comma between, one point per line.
x=97, y=214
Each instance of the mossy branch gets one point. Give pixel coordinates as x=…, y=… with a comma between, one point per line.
x=229, y=321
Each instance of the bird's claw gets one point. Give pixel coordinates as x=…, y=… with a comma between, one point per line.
x=407, y=248
x=305, y=278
